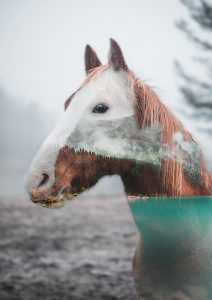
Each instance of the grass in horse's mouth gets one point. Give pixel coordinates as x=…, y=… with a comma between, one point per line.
x=56, y=201
x=49, y=204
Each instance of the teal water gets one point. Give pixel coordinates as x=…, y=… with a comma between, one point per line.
x=174, y=254
x=177, y=213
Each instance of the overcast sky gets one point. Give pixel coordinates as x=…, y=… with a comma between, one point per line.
x=43, y=42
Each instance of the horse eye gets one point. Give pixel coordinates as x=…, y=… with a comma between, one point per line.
x=100, y=108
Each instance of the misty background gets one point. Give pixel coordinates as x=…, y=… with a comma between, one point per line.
x=42, y=62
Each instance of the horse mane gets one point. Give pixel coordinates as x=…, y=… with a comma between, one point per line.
x=150, y=110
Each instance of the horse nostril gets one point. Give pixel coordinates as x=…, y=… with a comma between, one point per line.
x=75, y=184
x=44, y=180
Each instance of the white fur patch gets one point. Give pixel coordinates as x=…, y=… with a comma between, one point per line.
x=110, y=88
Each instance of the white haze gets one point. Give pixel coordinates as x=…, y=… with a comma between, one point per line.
x=41, y=64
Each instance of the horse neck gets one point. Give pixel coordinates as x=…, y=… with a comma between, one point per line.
x=172, y=266
x=177, y=180
x=174, y=251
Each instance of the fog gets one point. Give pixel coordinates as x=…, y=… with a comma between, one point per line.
x=23, y=127
x=41, y=64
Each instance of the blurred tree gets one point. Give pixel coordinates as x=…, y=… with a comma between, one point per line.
x=198, y=91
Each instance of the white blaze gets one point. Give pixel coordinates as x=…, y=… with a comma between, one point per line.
x=110, y=88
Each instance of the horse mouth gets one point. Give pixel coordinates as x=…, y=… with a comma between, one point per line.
x=55, y=201
x=50, y=203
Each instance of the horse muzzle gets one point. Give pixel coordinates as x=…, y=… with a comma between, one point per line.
x=52, y=198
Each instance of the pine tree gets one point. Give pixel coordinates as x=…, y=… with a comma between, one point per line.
x=196, y=91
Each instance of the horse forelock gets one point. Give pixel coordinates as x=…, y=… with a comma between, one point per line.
x=94, y=73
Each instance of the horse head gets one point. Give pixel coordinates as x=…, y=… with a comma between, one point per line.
x=115, y=124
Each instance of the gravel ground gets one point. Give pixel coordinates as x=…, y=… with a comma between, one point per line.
x=83, y=251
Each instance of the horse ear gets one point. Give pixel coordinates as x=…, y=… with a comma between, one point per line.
x=91, y=59
x=116, y=58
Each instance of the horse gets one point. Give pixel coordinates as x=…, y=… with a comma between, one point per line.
x=115, y=124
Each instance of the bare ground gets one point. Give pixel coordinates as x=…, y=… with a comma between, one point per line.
x=83, y=251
